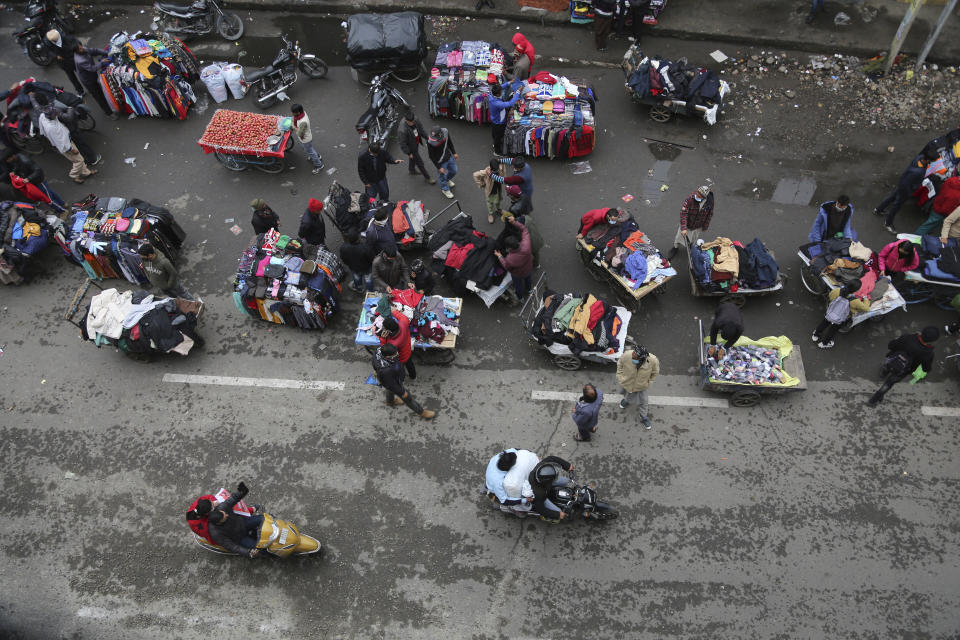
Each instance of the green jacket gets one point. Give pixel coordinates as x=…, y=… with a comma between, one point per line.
x=160, y=272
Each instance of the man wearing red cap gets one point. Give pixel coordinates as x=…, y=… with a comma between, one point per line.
x=312, y=228
x=301, y=126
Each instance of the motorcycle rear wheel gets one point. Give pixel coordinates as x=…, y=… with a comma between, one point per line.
x=265, y=88
x=603, y=511
x=315, y=68
x=230, y=26
x=33, y=146
x=38, y=52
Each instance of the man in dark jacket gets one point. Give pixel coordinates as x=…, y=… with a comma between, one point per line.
x=422, y=277
x=909, y=182
x=357, y=256
x=233, y=532
x=380, y=232
x=586, y=412
x=390, y=373
x=543, y=477
x=390, y=271
x=62, y=44
x=264, y=218
x=161, y=273
x=372, y=167
x=728, y=323
x=411, y=135
x=88, y=70
x=312, y=228
x=904, y=356
x=522, y=177
x=444, y=157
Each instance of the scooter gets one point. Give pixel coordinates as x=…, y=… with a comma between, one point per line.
x=386, y=107
x=41, y=16
x=281, y=74
x=197, y=19
x=569, y=498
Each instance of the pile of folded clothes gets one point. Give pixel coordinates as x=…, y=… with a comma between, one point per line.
x=283, y=281
x=463, y=254
x=748, y=364
x=940, y=262
x=554, y=119
x=136, y=322
x=432, y=318
x=728, y=265
x=584, y=324
x=628, y=252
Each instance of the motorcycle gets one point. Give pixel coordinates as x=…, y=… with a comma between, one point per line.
x=569, y=498
x=197, y=19
x=386, y=107
x=281, y=74
x=280, y=538
x=19, y=127
x=41, y=16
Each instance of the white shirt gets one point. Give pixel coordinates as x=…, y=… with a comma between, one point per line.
x=56, y=132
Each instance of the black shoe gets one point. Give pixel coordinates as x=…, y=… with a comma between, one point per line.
x=877, y=212
x=890, y=229
x=479, y=5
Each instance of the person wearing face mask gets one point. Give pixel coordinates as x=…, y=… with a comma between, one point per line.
x=695, y=214
x=834, y=220
x=636, y=371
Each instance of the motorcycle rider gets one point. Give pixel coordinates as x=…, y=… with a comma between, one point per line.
x=233, y=532
x=543, y=477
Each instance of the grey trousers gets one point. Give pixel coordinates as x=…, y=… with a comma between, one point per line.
x=638, y=398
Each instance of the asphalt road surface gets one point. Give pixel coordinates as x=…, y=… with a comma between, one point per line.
x=809, y=515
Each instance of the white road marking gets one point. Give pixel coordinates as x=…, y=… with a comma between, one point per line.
x=674, y=401
x=940, y=412
x=270, y=383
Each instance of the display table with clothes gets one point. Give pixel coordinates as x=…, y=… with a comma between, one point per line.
x=25, y=231
x=461, y=78
x=574, y=327
x=353, y=211
x=149, y=75
x=673, y=87
x=283, y=281
x=434, y=320
x=626, y=256
x=464, y=256
x=136, y=322
x=103, y=235
x=835, y=261
x=724, y=267
x=581, y=12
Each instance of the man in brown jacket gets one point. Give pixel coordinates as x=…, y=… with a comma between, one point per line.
x=636, y=371
x=491, y=189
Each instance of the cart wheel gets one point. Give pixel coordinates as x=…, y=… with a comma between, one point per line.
x=139, y=357
x=437, y=357
x=659, y=113
x=915, y=292
x=410, y=74
x=877, y=318
x=746, y=399
x=229, y=161
x=625, y=299
x=662, y=289
x=276, y=165
x=736, y=298
x=812, y=282
x=943, y=299
x=567, y=363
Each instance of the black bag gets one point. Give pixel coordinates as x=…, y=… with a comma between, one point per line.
x=375, y=40
x=897, y=365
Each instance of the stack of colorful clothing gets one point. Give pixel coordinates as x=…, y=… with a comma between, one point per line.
x=664, y=81
x=627, y=251
x=432, y=318
x=25, y=231
x=460, y=81
x=283, y=281
x=555, y=119
x=150, y=76
x=748, y=364
x=728, y=265
x=136, y=322
x=584, y=324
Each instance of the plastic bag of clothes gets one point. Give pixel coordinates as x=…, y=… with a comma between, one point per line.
x=375, y=40
x=754, y=362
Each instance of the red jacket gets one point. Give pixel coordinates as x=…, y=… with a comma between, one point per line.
x=402, y=338
x=948, y=198
x=592, y=218
x=201, y=527
x=523, y=46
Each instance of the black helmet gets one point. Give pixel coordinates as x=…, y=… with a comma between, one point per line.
x=546, y=473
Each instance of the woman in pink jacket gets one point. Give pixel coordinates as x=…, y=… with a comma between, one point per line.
x=899, y=256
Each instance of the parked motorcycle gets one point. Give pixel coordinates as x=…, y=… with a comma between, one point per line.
x=197, y=19
x=19, y=126
x=41, y=16
x=570, y=498
x=281, y=74
x=386, y=107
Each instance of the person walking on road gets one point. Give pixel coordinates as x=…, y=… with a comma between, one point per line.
x=444, y=157
x=498, y=114
x=372, y=167
x=695, y=214
x=390, y=373
x=59, y=136
x=63, y=46
x=636, y=371
x=586, y=413
x=911, y=353
x=264, y=217
x=356, y=255
x=410, y=136
x=69, y=120
x=603, y=11
x=301, y=126
x=161, y=274
x=908, y=183
x=313, y=229
x=493, y=190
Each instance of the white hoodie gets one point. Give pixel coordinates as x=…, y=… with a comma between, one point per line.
x=516, y=484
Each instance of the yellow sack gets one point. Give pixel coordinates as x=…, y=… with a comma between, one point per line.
x=784, y=347
x=30, y=229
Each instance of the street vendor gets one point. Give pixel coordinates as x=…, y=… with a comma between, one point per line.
x=597, y=216
x=834, y=220
x=264, y=217
x=728, y=323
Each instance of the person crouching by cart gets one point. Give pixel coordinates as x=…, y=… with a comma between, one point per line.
x=390, y=373
x=161, y=273
x=728, y=324
x=390, y=271
x=422, y=278
x=842, y=304
x=519, y=259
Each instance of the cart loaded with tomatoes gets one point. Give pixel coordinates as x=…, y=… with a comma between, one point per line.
x=239, y=140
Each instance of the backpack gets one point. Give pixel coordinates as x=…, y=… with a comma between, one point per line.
x=838, y=310
x=897, y=364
